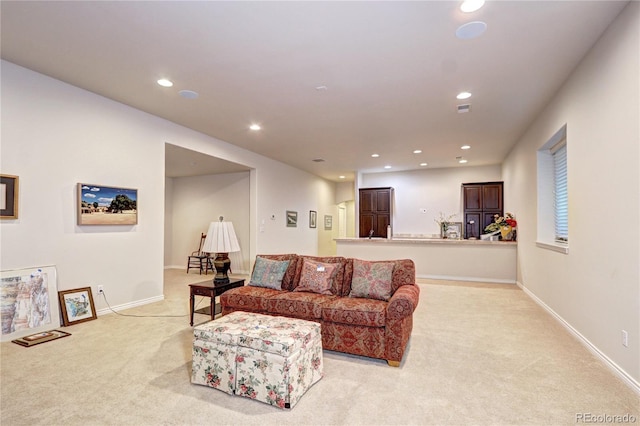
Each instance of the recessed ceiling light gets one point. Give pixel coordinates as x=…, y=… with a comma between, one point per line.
x=417, y=151
x=387, y=167
x=423, y=164
x=375, y=155
x=462, y=161
x=463, y=95
x=320, y=88
x=255, y=127
x=342, y=177
x=188, y=94
x=471, y=5
x=165, y=83
x=471, y=30
x=465, y=147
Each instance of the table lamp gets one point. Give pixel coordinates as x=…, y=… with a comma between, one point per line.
x=221, y=240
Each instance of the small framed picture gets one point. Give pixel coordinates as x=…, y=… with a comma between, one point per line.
x=8, y=197
x=328, y=222
x=292, y=219
x=77, y=306
x=313, y=218
x=452, y=230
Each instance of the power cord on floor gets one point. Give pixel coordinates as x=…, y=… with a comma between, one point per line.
x=104, y=296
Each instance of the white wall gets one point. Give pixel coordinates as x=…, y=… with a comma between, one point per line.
x=437, y=190
x=55, y=135
x=596, y=287
x=197, y=201
x=277, y=198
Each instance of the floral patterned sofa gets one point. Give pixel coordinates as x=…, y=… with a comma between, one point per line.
x=364, y=307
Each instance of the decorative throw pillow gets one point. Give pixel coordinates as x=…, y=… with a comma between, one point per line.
x=371, y=280
x=317, y=277
x=268, y=273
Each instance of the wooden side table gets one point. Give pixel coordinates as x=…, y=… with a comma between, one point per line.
x=210, y=290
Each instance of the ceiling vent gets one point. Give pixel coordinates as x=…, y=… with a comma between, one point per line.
x=464, y=108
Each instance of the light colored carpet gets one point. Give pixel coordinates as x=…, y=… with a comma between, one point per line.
x=479, y=354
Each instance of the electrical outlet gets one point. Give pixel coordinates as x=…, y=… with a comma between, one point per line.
x=625, y=338
x=100, y=289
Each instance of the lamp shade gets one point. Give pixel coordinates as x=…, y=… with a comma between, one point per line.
x=221, y=238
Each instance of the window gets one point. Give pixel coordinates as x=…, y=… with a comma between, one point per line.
x=561, y=198
x=553, y=196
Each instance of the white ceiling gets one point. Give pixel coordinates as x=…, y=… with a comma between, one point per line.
x=392, y=70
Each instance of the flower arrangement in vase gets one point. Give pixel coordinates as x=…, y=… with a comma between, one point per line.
x=505, y=224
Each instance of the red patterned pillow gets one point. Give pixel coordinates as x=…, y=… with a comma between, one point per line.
x=317, y=277
x=371, y=280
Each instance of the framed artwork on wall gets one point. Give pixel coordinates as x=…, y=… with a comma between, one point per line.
x=105, y=205
x=77, y=306
x=313, y=218
x=8, y=197
x=28, y=302
x=328, y=222
x=292, y=219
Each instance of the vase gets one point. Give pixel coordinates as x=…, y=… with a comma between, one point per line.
x=506, y=232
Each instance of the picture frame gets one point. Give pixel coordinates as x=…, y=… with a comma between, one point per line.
x=452, y=230
x=106, y=205
x=313, y=218
x=28, y=302
x=77, y=306
x=328, y=222
x=37, y=338
x=292, y=219
x=9, y=186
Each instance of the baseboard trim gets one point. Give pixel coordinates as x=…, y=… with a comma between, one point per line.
x=130, y=305
x=472, y=279
x=174, y=267
x=615, y=368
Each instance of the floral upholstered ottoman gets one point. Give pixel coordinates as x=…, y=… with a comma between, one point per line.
x=271, y=359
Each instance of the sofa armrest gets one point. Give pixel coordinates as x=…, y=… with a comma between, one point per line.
x=403, y=302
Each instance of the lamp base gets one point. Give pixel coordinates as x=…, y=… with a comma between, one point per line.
x=222, y=263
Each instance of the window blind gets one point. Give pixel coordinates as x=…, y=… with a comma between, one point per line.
x=560, y=193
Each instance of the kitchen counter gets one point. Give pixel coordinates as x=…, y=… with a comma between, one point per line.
x=443, y=259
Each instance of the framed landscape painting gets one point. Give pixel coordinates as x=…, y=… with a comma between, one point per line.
x=28, y=302
x=105, y=205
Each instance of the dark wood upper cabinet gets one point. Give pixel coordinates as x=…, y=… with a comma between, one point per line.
x=481, y=202
x=375, y=211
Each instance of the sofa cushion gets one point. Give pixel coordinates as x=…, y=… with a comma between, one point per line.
x=404, y=272
x=248, y=298
x=317, y=277
x=356, y=311
x=301, y=304
x=371, y=280
x=337, y=285
x=268, y=273
x=289, y=278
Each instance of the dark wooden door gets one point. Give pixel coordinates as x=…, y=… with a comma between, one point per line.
x=375, y=211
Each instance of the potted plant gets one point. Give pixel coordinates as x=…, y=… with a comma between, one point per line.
x=506, y=225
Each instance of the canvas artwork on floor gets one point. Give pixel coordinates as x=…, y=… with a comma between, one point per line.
x=28, y=302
